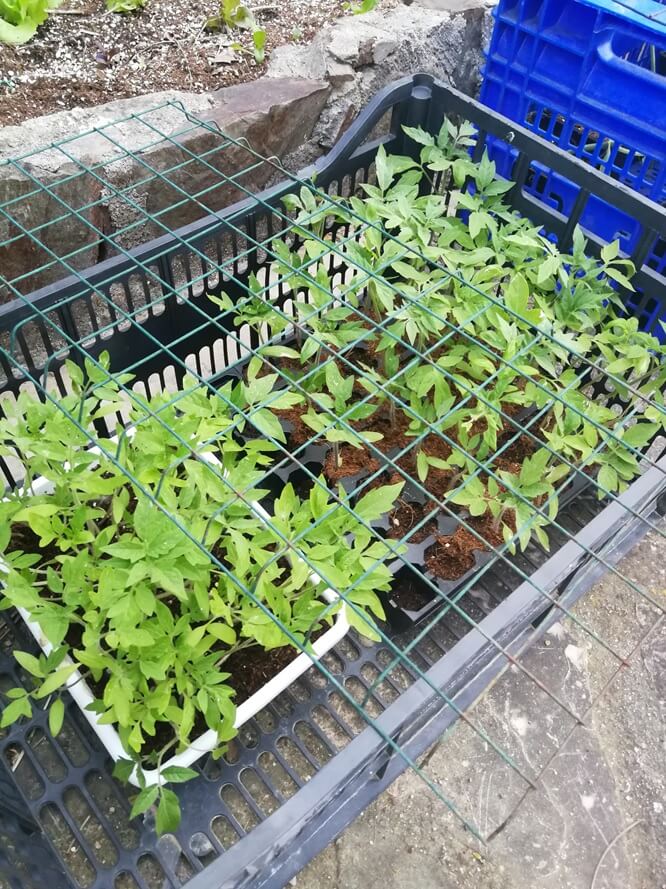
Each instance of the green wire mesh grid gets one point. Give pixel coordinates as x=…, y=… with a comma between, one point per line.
x=293, y=266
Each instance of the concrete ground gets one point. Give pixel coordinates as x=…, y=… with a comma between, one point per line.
x=597, y=816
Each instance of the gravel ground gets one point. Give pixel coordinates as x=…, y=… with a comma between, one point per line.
x=84, y=55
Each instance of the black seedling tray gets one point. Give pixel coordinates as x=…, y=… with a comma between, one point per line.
x=307, y=765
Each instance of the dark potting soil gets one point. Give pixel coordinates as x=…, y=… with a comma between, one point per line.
x=485, y=528
x=406, y=516
x=393, y=429
x=300, y=433
x=520, y=449
x=254, y=667
x=24, y=538
x=409, y=592
x=351, y=462
x=452, y=556
x=506, y=464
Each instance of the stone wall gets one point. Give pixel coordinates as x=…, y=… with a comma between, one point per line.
x=101, y=186
x=360, y=55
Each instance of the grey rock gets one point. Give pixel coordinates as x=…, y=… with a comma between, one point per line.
x=80, y=125
x=388, y=44
x=273, y=116
x=37, y=226
x=352, y=40
x=382, y=49
x=291, y=60
x=339, y=73
x=454, y=6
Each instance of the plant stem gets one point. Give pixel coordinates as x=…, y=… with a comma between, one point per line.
x=393, y=419
x=240, y=646
x=336, y=454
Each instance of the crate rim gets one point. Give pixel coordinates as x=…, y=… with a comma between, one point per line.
x=650, y=14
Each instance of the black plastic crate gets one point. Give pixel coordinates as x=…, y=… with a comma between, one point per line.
x=307, y=765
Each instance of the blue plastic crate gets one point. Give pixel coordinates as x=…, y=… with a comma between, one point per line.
x=590, y=76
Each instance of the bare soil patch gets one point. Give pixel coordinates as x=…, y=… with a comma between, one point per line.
x=84, y=55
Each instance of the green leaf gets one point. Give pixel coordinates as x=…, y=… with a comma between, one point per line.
x=145, y=599
x=364, y=625
x=15, y=710
x=259, y=42
x=279, y=352
x=319, y=499
x=610, y=251
x=167, y=819
x=178, y=774
x=21, y=32
x=267, y=423
x=29, y=663
x=419, y=135
x=517, y=294
x=223, y=632
x=378, y=502
x=144, y=800
x=422, y=466
x=364, y=6
x=542, y=537
x=608, y=479
x=619, y=277
x=119, y=504
x=477, y=506
x=223, y=301
x=123, y=768
x=131, y=551
x=55, y=681
x=56, y=716
x=476, y=224
x=639, y=435
x=547, y=268
x=382, y=169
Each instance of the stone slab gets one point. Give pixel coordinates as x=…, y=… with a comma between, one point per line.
x=597, y=818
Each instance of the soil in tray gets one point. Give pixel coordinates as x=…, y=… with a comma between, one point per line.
x=352, y=462
x=406, y=516
x=356, y=460
x=394, y=429
x=254, y=667
x=451, y=557
x=301, y=433
x=409, y=592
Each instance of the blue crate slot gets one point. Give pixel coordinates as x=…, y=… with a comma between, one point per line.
x=589, y=76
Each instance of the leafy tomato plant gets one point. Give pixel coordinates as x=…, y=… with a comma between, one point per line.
x=149, y=567
x=475, y=329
